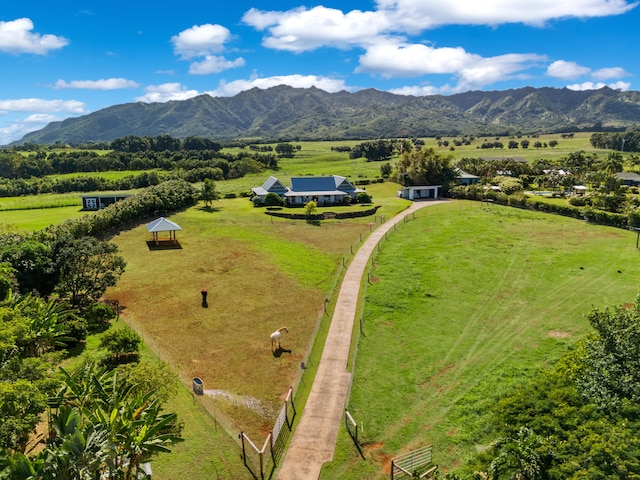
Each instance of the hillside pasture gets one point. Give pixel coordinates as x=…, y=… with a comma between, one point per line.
x=464, y=303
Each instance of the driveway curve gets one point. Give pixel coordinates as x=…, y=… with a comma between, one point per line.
x=314, y=440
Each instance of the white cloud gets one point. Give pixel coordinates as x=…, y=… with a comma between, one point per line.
x=14, y=131
x=596, y=86
x=490, y=70
x=301, y=30
x=393, y=59
x=419, y=90
x=166, y=93
x=607, y=73
x=418, y=15
x=566, y=70
x=19, y=127
x=229, y=89
x=102, y=84
x=383, y=32
x=16, y=37
x=39, y=105
x=200, y=40
x=214, y=64
x=41, y=118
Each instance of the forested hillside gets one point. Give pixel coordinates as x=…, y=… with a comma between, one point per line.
x=311, y=114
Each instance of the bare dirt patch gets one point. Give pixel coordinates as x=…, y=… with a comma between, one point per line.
x=375, y=450
x=558, y=334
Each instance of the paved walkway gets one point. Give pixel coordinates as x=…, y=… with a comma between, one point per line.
x=314, y=439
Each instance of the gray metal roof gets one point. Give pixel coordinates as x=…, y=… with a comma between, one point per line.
x=321, y=184
x=315, y=192
x=628, y=176
x=162, y=225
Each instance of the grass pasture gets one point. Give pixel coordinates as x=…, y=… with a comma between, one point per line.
x=464, y=302
x=38, y=218
x=261, y=273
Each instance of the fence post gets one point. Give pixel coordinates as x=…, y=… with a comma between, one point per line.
x=273, y=455
x=292, y=405
x=261, y=455
x=244, y=453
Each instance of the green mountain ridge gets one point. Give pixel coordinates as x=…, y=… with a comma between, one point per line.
x=284, y=112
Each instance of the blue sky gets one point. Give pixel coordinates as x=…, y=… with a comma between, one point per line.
x=71, y=57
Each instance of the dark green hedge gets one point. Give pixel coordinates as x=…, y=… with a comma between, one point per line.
x=166, y=197
x=591, y=215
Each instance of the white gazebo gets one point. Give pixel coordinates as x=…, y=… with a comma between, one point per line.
x=163, y=225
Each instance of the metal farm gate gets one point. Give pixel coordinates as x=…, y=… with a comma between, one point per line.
x=416, y=463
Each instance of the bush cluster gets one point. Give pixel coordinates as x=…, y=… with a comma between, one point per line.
x=591, y=215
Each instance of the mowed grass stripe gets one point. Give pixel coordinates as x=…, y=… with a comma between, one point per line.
x=467, y=301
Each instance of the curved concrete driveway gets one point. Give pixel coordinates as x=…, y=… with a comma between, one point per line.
x=314, y=440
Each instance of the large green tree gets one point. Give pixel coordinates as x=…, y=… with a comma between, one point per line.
x=425, y=167
x=89, y=266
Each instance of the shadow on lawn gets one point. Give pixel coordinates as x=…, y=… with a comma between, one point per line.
x=163, y=245
x=279, y=351
x=209, y=209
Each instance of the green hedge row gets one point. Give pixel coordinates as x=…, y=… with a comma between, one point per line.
x=168, y=196
x=327, y=215
x=592, y=215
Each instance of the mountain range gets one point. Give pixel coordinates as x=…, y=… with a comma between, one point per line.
x=287, y=113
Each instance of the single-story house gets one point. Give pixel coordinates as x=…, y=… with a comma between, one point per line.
x=578, y=190
x=419, y=191
x=96, y=202
x=466, y=178
x=328, y=190
x=630, y=179
x=324, y=190
x=271, y=185
x=560, y=172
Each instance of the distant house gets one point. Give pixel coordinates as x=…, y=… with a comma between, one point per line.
x=420, y=192
x=327, y=190
x=630, y=179
x=96, y=202
x=578, y=190
x=465, y=178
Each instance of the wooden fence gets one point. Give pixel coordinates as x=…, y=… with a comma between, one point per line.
x=261, y=462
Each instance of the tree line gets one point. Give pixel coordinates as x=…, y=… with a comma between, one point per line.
x=41, y=163
x=627, y=141
x=106, y=418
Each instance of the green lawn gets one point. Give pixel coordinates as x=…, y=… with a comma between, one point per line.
x=38, y=218
x=261, y=273
x=464, y=302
